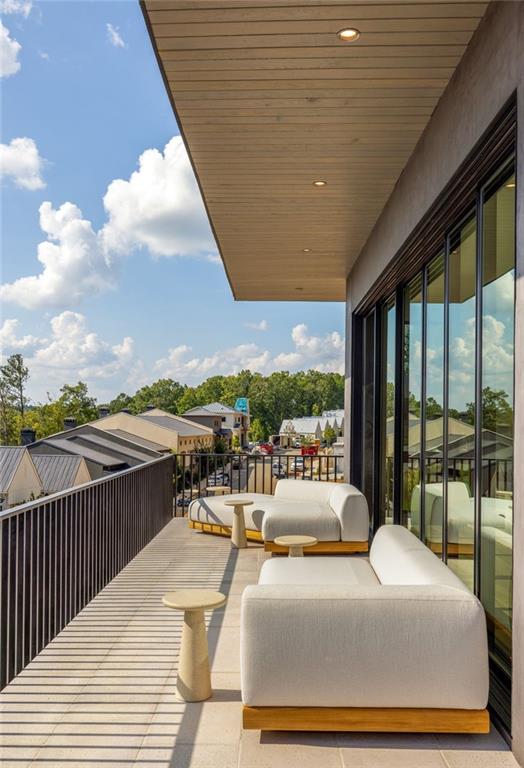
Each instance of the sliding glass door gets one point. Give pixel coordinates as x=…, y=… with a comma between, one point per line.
x=437, y=406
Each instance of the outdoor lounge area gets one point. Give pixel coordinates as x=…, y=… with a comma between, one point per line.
x=103, y=691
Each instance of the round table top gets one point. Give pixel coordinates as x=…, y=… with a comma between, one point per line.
x=238, y=502
x=223, y=488
x=194, y=599
x=296, y=541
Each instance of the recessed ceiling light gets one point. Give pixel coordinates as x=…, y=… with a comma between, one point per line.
x=348, y=35
x=306, y=250
x=510, y=185
x=319, y=183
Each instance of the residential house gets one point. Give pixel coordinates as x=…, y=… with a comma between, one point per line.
x=19, y=479
x=160, y=428
x=231, y=422
x=60, y=472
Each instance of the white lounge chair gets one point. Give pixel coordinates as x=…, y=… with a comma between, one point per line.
x=394, y=644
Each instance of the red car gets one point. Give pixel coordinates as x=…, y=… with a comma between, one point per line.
x=266, y=448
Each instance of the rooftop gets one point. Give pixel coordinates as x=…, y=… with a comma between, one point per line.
x=10, y=457
x=56, y=472
x=217, y=408
x=103, y=691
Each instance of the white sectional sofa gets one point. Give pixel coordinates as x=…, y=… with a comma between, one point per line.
x=335, y=513
x=396, y=643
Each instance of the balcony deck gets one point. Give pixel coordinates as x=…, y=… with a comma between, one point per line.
x=103, y=691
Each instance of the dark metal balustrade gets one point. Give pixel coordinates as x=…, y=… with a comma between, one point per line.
x=246, y=473
x=58, y=552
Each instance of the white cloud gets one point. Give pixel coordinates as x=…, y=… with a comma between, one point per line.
x=43, y=55
x=74, y=263
x=9, y=50
x=263, y=325
x=21, y=161
x=11, y=343
x=16, y=6
x=159, y=207
x=322, y=353
x=76, y=351
x=114, y=36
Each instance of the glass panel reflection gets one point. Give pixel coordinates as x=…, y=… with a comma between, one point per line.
x=368, y=410
x=434, y=418
x=410, y=512
x=388, y=411
x=496, y=505
x=461, y=402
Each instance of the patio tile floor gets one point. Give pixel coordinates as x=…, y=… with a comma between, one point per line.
x=103, y=692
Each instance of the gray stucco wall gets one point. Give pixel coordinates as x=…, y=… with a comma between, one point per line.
x=490, y=71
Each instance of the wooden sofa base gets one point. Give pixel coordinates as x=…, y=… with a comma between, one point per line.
x=223, y=530
x=368, y=719
x=323, y=548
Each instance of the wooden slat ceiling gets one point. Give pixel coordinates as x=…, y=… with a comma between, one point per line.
x=268, y=99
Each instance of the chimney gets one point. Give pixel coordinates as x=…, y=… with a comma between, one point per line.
x=125, y=410
x=150, y=407
x=69, y=422
x=27, y=436
x=103, y=411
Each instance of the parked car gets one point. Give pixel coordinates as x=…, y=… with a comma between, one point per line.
x=297, y=465
x=278, y=470
x=236, y=462
x=218, y=479
x=183, y=501
x=266, y=448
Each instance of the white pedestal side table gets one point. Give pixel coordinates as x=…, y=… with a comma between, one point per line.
x=296, y=544
x=194, y=678
x=238, y=533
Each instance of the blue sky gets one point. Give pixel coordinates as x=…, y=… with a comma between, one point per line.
x=131, y=290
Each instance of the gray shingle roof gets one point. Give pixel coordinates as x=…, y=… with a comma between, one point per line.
x=211, y=408
x=56, y=472
x=177, y=425
x=90, y=453
x=10, y=458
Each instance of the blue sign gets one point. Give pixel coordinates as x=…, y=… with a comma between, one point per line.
x=242, y=404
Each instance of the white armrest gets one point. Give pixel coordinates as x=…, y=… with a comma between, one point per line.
x=351, y=508
x=356, y=646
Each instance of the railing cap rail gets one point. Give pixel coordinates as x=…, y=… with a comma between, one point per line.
x=40, y=502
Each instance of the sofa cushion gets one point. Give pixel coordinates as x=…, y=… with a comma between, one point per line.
x=213, y=510
x=306, y=490
x=398, y=557
x=309, y=518
x=318, y=570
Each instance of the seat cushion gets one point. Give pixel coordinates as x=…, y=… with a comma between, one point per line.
x=317, y=571
x=213, y=510
x=398, y=557
x=285, y=517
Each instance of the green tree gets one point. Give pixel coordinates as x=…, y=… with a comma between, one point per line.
x=76, y=402
x=497, y=413
x=329, y=435
x=120, y=401
x=433, y=408
x=9, y=417
x=15, y=375
x=257, y=431
x=46, y=418
x=164, y=393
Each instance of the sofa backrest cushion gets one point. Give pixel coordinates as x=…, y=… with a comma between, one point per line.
x=398, y=557
x=307, y=490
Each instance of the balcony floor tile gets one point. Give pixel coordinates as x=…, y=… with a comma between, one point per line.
x=103, y=692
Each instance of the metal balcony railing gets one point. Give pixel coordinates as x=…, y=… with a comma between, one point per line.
x=58, y=552
x=198, y=473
